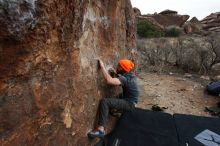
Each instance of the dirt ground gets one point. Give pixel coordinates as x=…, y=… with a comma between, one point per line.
x=178, y=93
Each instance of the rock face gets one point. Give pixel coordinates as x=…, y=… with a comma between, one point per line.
x=168, y=12
x=192, y=26
x=194, y=20
x=215, y=70
x=168, y=18
x=49, y=83
x=196, y=54
x=17, y=17
x=212, y=22
x=137, y=12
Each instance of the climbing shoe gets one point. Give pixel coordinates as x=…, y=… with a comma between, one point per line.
x=96, y=133
x=156, y=107
x=215, y=111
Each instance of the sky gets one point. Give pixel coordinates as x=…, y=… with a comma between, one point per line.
x=198, y=8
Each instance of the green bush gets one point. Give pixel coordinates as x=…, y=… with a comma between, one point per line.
x=147, y=30
x=173, y=31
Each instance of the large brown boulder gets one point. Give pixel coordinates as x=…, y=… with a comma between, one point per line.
x=192, y=26
x=150, y=20
x=50, y=86
x=212, y=22
x=168, y=18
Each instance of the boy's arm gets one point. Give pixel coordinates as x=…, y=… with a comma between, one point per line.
x=108, y=78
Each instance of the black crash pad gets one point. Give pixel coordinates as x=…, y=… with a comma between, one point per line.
x=188, y=127
x=144, y=128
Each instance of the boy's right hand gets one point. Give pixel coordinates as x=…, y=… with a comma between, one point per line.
x=101, y=64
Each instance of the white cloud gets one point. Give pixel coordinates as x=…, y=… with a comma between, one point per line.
x=198, y=8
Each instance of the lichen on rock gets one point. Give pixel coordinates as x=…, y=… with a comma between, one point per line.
x=17, y=17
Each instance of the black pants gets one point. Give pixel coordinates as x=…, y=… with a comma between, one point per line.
x=107, y=104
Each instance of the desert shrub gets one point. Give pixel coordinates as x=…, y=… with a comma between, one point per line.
x=173, y=31
x=147, y=30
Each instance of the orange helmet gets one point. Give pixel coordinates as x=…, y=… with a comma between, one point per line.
x=127, y=65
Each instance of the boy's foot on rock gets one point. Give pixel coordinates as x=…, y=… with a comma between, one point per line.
x=96, y=133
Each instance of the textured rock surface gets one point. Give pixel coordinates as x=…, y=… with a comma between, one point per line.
x=212, y=22
x=192, y=26
x=194, y=20
x=215, y=70
x=168, y=18
x=190, y=53
x=16, y=17
x=151, y=20
x=49, y=82
x=214, y=38
x=137, y=12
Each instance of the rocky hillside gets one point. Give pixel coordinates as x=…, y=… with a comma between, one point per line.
x=212, y=22
x=168, y=18
x=164, y=19
x=49, y=83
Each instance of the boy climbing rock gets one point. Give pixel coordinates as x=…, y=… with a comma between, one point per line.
x=126, y=100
